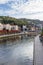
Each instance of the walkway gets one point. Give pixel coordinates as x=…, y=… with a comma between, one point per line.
x=19, y=34
x=9, y=35
x=38, y=52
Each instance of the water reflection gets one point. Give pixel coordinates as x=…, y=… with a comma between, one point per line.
x=19, y=52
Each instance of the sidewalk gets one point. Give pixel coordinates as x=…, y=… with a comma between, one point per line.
x=38, y=52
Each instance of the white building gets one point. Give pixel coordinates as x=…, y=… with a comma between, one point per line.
x=8, y=27
x=33, y=29
x=24, y=28
x=1, y=26
x=14, y=27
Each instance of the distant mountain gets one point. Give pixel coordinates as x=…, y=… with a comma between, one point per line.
x=32, y=21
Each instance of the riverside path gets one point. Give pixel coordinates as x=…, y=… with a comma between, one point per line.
x=38, y=52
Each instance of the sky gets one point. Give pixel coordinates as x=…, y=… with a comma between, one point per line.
x=30, y=9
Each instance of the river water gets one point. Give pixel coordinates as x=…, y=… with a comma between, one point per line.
x=19, y=52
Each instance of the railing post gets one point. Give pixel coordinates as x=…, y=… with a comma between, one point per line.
x=34, y=61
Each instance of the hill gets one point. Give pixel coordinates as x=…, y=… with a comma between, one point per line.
x=32, y=21
x=21, y=21
x=11, y=20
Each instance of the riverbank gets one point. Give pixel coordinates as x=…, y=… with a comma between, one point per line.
x=17, y=35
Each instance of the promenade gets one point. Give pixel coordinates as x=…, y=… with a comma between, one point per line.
x=19, y=34
x=38, y=52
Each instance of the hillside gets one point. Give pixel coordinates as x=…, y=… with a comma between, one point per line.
x=22, y=21
x=32, y=21
x=11, y=20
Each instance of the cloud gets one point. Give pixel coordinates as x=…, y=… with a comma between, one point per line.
x=10, y=12
x=29, y=7
x=24, y=8
x=3, y=1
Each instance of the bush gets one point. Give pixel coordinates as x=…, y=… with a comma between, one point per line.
x=42, y=32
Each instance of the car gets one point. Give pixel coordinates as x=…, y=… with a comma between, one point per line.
x=41, y=38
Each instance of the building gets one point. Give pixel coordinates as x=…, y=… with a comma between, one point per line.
x=33, y=28
x=8, y=27
x=14, y=27
x=1, y=26
x=24, y=28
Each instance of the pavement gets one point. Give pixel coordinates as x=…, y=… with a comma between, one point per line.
x=38, y=51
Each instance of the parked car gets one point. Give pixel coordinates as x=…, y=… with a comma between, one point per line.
x=41, y=38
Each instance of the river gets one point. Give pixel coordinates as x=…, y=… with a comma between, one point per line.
x=18, y=52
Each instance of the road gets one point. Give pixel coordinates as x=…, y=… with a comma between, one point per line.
x=38, y=52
